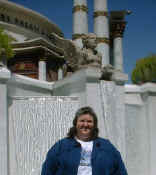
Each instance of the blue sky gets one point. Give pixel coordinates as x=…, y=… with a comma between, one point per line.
x=140, y=33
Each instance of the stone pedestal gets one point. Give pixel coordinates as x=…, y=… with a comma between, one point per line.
x=4, y=154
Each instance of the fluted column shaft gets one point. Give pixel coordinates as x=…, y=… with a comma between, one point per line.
x=101, y=29
x=80, y=21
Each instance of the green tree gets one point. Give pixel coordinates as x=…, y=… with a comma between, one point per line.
x=5, y=45
x=145, y=70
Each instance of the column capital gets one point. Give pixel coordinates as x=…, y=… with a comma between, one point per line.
x=117, y=29
x=100, y=13
x=80, y=8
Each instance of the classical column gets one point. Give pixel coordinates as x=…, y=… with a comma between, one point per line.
x=42, y=69
x=80, y=21
x=118, y=30
x=60, y=74
x=4, y=145
x=101, y=29
x=117, y=26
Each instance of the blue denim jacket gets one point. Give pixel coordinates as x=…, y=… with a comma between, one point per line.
x=64, y=158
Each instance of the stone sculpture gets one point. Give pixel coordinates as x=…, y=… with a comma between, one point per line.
x=107, y=72
x=77, y=58
x=88, y=54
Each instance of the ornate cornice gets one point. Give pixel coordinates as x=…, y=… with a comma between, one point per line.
x=77, y=36
x=102, y=40
x=100, y=13
x=117, y=29
x=80, y=8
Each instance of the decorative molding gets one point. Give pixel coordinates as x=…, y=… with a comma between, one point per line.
x=102, y=40
x=100, y=13
x=80, y=8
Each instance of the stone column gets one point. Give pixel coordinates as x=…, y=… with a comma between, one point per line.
x=60, y=74
x=4, y=153
x=101, y=29
x=42, y=69
x=80, y=21
x=118, y=30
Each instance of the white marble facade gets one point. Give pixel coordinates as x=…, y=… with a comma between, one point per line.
x=40, y=113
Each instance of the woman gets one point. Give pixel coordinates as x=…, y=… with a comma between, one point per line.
x=83, y=152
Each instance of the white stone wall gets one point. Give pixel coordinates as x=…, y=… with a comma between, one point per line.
x=36, y=120
x=4, y=151
x=35, y=124
x=41, y=112
x=140, y=106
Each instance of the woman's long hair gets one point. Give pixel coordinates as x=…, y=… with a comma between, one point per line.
x=84, y=110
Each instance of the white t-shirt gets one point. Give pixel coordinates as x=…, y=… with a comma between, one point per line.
x=85, y=167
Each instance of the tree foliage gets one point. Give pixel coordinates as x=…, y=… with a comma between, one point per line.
x=145, y=70
x=5, y=45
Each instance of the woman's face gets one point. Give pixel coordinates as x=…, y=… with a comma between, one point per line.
x=84, y=126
